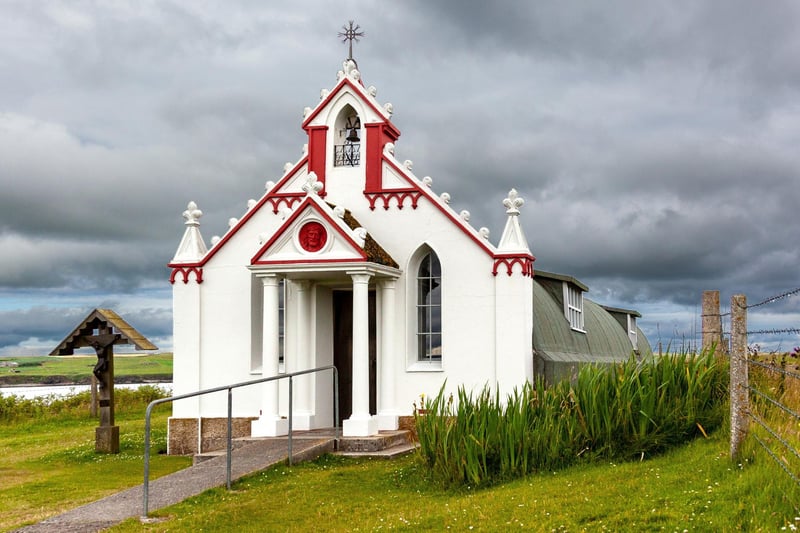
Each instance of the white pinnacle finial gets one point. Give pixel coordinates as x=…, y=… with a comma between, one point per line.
x=513, y=239
x=192, y=214
x=191, y=248
x=513, y=202
x=312, y=186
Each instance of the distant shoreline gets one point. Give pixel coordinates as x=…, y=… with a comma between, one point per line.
x=45, y=381
x=77, y=369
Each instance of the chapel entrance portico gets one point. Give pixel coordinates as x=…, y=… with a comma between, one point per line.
x=310, y=341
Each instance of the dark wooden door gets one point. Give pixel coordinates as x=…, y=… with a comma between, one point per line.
x=343, y=351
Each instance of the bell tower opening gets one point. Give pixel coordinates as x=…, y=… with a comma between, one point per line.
x=347, y=144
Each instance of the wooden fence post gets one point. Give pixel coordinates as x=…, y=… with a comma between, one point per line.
x=739, y=375
x=712, y=322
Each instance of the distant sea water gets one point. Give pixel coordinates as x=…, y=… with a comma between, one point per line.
x=66, y=390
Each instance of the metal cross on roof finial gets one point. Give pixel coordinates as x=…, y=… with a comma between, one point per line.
x=351, y=34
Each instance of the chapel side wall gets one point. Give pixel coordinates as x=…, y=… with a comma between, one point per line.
x=228, y=317
x=514, y=327
x=468, y=315
x=227, y=346
x=186, y=357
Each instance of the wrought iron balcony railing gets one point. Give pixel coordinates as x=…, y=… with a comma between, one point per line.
x=347, y=155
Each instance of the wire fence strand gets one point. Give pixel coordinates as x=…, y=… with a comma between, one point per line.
x=774, y=299
x=777, y=459
x=774, y=331
x=775, y=435
x=774, y=368
x=777, y=404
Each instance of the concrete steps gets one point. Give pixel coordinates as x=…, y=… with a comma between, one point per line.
x=387, y=444
x=398, y=450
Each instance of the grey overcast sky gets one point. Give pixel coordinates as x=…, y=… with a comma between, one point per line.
x=657, y=144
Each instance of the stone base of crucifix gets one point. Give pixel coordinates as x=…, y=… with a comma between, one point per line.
x=106, y=439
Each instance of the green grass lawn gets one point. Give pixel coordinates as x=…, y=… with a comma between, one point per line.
x=78, y=369
x=48, y=465
x=692, y=488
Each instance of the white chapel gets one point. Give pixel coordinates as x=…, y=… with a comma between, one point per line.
x=350, y=259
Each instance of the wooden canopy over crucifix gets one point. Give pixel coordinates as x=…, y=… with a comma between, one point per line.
x=101, y=330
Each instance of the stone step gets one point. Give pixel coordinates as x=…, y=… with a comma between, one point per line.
x=386, y=444
x=392, y=452
x=375, y=443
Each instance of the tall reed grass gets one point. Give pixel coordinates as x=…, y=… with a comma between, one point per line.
x=774, y=403
x=15, y=408
x=633, y=409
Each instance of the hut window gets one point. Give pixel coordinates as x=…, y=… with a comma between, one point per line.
x=573, y=306
x=632, y=331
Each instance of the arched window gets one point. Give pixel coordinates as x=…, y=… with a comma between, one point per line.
x=429, y=309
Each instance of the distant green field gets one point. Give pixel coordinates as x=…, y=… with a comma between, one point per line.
x=77, y=369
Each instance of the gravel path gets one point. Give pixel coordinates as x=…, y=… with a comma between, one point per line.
x=175, y=488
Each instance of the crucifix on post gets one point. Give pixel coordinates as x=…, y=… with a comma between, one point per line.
x=101, y=330
x=106, y=434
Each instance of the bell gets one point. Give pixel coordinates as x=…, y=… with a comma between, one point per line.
x=353, y=136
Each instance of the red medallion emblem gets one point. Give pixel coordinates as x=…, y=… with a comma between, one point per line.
x=313, y=237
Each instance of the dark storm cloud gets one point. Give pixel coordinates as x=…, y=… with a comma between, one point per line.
x=655, y=144
x=51, y=325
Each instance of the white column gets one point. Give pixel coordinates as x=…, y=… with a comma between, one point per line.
x=388, y=416
x=270, y=423
x=360, y=423
x=303, y=413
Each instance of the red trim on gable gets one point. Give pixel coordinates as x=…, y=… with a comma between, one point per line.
x=184, y=272
x=274, y=198
x=307, y=203
x=334, y=92
x=377, y=137
x=425, y=191
x=524, y=261
x=289, y=175
x=286, y=198
x=400, y=195
x=317, y=151
x=312, y=261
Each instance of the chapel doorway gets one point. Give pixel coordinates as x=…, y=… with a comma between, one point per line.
x=343, y=351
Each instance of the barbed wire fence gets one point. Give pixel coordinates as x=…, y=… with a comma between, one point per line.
x=770, y=400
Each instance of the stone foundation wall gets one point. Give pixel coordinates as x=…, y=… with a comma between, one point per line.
x=182, y=433
x=407, y=423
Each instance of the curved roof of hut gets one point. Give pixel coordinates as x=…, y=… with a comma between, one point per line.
x=605, y=340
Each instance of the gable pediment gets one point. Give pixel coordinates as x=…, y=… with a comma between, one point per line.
x=347, y=92
x=313, y=233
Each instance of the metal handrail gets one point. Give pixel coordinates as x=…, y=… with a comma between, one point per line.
x=229, y=388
